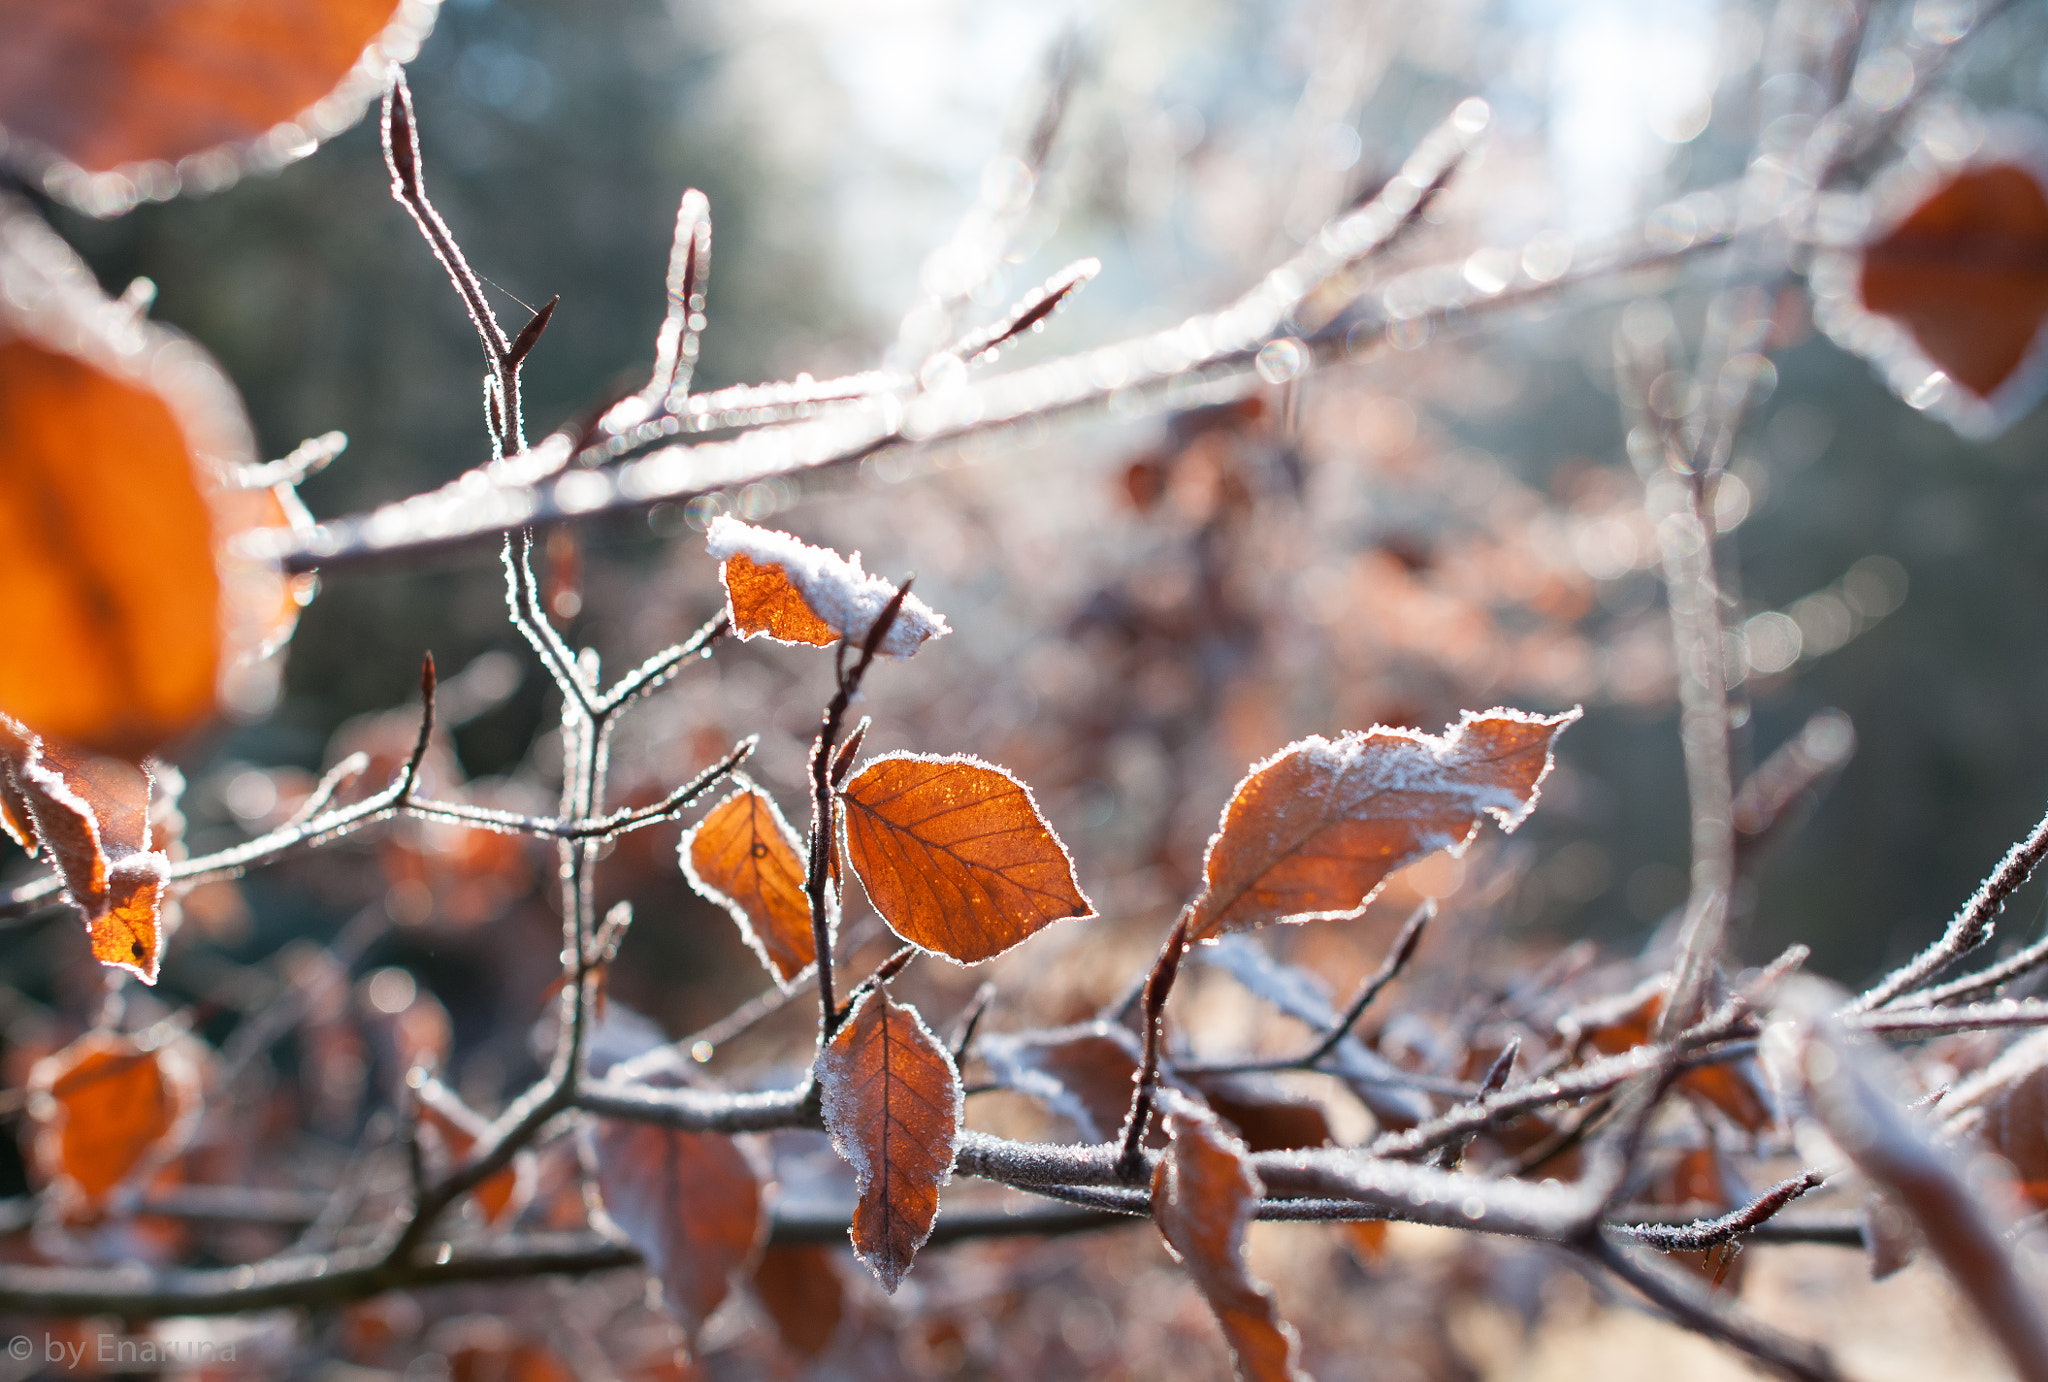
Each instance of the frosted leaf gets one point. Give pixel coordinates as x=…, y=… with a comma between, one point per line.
x=796, y=593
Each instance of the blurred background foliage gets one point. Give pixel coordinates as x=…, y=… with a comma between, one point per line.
x=1144, y=606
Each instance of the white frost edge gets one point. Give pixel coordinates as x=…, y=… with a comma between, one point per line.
x=836, y=588
x=842, y=1119
x=1440, y=747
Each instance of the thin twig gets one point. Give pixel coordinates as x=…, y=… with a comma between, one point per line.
x=1971, y=927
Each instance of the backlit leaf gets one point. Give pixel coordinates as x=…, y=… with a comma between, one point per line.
x=744, y=856
x=894, y=1106
x=450, y=1130
x=795, y=593
x=692, y=1203
x=955, y=855
x=107, y=1111
x=1967, y=274
x=1948, y=289
x=90, y=816
x=1203, y=1195
x=113, y=102
x=1314, y=831
x=129, y=612
x=799, y=1286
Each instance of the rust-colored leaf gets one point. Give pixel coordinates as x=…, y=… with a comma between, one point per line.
x=955, y=855
x=119, y=519
x=1966, y=274
x=108, y=1111
x=1314, y=831
x=1203, y=1195
x=1084, y=1073
x=894, y=1106
x=799, y=1286
x=744, y=856
x=114, y=103
x=450, y=1130
x=1266, y=1117
x=787, y=590
x=691, y=1202
x=91, y=817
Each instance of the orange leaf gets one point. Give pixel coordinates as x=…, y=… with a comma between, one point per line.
x=119, y=519
x=955, y=855
x=1313, y=831
x=450, y=1130
x=1203, y=1195
x=107, y=1112
x=1966, y=274
x=894, y=1105
x=91, y=815
x=795, y=593
x=691, y=1202
x=799, y=1286
x=112, y=104
x=744, y=857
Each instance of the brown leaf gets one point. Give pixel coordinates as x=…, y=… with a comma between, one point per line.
x=119, y=529
x=450, y=1130
x=110, y=104
x=1314, y=831
x=1086, y=1073
x=744, y=856
x=799, y=1286
x=691, y=1202
x=91, y=816
x=894, y=1106
x=1966, y=274
x=795, y=593
x=955, y=855
x=107, y=1111
x=1266, y=1117
x=1203, y=1195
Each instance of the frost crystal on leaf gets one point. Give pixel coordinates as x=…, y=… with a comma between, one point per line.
x=796, y=593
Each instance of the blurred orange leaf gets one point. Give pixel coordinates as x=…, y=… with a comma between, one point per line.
x=457, y=1128
x=104, y=100
x=744, y=856
x=955, y=855
x=691, y=1202
x=795, y=593
x=129, y=607
x=1314, y=831
x=1966, y=274
x=1203, y=1194
x=107, y=1111
x=894, y=1106
x=799, y=1286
